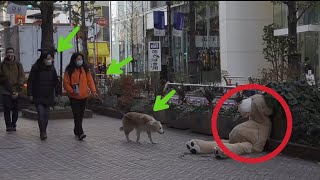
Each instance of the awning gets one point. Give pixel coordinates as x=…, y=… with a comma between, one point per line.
x=102, y=49
x=304, y=28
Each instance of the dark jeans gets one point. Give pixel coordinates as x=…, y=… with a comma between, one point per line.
x=43, y=117
x=78, y=107
x=10, y=105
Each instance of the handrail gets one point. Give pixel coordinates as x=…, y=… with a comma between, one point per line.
x=195, y=85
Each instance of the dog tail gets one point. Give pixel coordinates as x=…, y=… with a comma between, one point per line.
x=121, y=129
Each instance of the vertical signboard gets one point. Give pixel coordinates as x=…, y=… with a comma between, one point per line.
x=154, y=52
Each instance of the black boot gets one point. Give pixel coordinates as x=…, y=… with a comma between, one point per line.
x=82, y=136
x=43, y=136
x=10, y=128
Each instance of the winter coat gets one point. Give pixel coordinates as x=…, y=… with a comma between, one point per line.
x=85, y=81
x=43, y=84
x=11, y=76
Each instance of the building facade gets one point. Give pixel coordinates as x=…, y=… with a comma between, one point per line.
x=228, y=37
x=98, y=36
x=308, y=29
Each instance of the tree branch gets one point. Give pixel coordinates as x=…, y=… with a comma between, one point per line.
x=304, y=11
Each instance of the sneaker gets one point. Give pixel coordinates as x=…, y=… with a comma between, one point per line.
x=82, y=136
x=43, y=136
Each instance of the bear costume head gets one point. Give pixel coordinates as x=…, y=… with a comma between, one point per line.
x=255, y=108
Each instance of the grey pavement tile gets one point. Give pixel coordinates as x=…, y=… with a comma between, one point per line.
x=105, y=154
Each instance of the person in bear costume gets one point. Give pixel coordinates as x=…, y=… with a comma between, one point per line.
x=248, y=137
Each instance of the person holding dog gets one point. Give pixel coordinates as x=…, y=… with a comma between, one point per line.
x=43, y=87
x=77, y=81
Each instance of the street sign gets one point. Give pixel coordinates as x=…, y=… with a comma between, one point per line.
x=20, y=19
x=154, y=54
x=103, y=21
x=16, y=9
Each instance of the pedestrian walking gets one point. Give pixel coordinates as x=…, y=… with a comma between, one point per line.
x=43, y=88
x=77, y=82
x=11, y=82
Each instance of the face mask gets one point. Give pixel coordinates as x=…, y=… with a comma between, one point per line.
x=48, y=62
x=245, y=107
x=79, y=63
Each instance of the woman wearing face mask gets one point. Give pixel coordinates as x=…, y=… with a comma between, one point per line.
x=77, y=81
x=43, y=85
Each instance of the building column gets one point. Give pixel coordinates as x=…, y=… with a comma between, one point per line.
x=241, y=31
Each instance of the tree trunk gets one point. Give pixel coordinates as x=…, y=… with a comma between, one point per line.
x=84, y=33
x=193, y=62
x=131, y=39
x=293, y=57
x=46, y=9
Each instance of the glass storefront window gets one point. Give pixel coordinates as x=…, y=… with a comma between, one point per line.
x=309, y=48
x=280, y=13
x=310, y=16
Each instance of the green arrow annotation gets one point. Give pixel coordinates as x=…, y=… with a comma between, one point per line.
x=161, y=104
x=115, y=68
x=65, y=44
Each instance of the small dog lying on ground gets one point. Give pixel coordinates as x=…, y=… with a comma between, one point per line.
x=140, y=122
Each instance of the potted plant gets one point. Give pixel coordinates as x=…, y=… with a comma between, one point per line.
x=128, y=92
x=177, y=115
x=201, y=115
x=304, y=103
x=113, y=90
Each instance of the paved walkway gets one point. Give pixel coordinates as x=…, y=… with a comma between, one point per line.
x=105, y=155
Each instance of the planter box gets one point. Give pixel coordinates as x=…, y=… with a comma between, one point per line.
x=110, y=101
x=173, y=121
x=160, y=116
x=201, y=123
x=105, y=111
x=53, y=115
x=24, y=103
x=295, y=150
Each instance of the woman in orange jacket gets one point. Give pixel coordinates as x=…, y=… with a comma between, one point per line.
x=77, y=82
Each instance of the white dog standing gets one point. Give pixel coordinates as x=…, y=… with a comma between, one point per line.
x=140, y=122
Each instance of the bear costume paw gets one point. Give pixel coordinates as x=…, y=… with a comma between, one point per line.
x=219, y=154
x=193, y=147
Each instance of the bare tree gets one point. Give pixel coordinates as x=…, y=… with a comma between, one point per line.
x=130, y=22
x=79, y=18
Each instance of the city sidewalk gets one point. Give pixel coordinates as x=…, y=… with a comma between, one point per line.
x=105, y=154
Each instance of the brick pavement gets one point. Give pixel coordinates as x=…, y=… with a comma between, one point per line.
x=105, y=155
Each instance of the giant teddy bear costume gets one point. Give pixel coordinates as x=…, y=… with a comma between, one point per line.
x=247, y=137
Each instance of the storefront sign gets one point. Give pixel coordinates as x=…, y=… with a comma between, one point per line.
x=201, y=41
